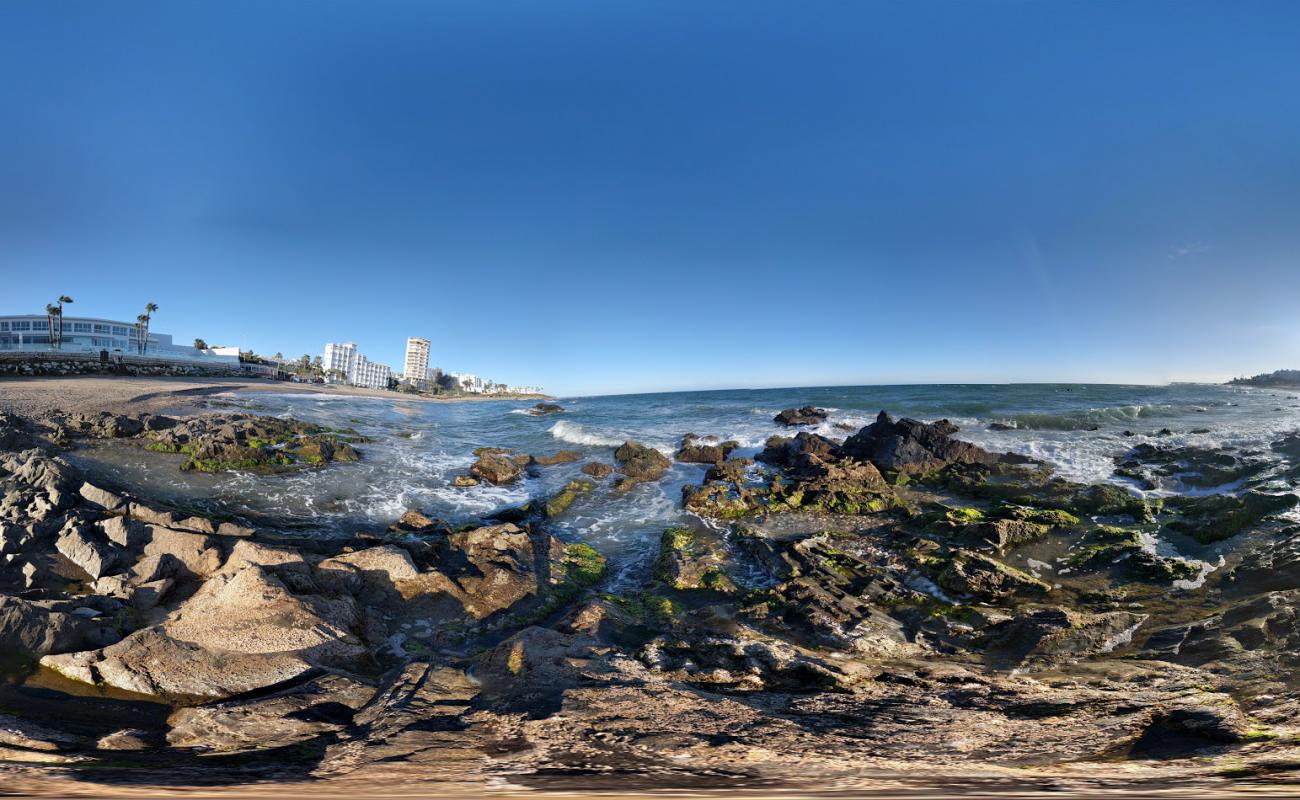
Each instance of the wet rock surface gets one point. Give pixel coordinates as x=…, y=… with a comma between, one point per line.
x=901, y=597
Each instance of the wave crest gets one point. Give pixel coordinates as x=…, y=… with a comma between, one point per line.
x=1091, y=418
x=574, y=433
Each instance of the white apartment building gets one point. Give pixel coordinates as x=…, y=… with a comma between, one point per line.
x=357, y=369
x=468, y=383
x=341, y=357
x=416, y=369
x=371, y=374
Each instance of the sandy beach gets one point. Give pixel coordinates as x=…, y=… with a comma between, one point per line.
x=122, y=394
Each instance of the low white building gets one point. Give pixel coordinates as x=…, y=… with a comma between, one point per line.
x=356, y=368
x=93, y=336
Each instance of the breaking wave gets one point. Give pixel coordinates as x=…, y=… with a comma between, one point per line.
x=573, y=433
x=1088, y=419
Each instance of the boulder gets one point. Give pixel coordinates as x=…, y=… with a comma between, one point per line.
x=377, y=568
x=597, y=470
x=200, y=555
x=1052, y=635
x=102, y=498
x=909, y=446
x=543, y=409
x=979, y=576
x=693, y=451
x=796, y=454
x=42, y=627
x=496, y=467
x=124, y=532
x=561, y=501
x=690, y=560
x=320, y=706
x=152, y=516
x=740, y=662
x=562, y=457
x=413, y=520
x=808, y=415
x=1003, y=534
x=84, y=546
x=638, y=463
x=238, y=633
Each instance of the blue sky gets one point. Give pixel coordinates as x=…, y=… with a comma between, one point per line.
x=602, y=197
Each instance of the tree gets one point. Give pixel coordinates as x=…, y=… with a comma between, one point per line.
x=142, y=327
x=52, y=313
x=57, y=341
x=199, y=344
x=317, y=368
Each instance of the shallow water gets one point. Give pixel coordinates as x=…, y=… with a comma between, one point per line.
x=419, y=447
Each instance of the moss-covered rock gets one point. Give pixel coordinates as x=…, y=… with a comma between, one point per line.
x=560, y=503
x=1216, y=517
x=1133, y=553
x=220, y=443
x=988, y=579
x=688, y=560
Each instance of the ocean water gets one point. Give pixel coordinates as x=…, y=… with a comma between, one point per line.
x=419, y=447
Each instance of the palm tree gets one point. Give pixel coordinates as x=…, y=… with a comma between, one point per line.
x=51, y=312
x=142, y=327
x=63, y=298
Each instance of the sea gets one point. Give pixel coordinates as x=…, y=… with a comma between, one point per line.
x=418, y=447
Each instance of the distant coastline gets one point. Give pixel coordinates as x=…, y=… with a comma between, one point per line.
x=1282, y=378
x=94, y=393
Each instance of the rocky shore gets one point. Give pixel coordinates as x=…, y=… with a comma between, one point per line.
x=901, y=603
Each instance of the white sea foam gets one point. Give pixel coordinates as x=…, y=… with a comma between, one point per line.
x=574, y=433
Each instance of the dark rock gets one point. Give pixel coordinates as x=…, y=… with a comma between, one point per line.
x=979, y=576
x=542, y=409
x=691, y=560
x=44, y=627
x=909, y=446
x=692, y=451
x=496, y=467
x=808, y=415
x=640, y=463
x=561, y=501
x=562, y=457
x=731, y=471
x=1052, y=635
x=743, y=663
x=1214, y=517
x=597, y=470
x=88, y=549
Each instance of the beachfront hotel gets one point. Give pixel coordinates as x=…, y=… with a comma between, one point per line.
x=30, y=333
x=357, y=370
x=416, y=368
x=469, y=383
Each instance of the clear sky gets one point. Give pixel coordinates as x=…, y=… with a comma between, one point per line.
x=625, y=196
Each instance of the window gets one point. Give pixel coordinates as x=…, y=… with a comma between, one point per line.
x=81, y=327
x=4, y=326
x=118, y=330
x=101, y=328
x=22, y=325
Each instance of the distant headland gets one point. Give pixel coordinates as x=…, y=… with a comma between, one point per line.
x=1281, y=377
